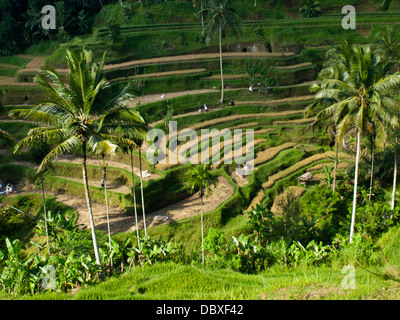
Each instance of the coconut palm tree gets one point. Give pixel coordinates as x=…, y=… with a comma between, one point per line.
x=134, y=197
x=103, y=148
x=81, y=113
x=390, y=47
x=337, y=67
x=365, y=100
x=224, y=21
x=139, y=142
x=393, y=201
x=388, y=44
x=129, y=149
x=201, y=8
x=37, y=153
x=199, y=178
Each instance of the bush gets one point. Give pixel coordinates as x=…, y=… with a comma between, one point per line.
x=310, y=9
x=375, y=218
x=151, y=251
x=214, y=241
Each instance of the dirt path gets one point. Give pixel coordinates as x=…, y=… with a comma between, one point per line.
x=120, y=222
x=161, y=74
x=238, y=103
x=183, y=115
x=39, y=61
x=12, y=81
x=110, y=163
x=201, y=56
x=192, y=206
x=157, y=97
x=111, y=186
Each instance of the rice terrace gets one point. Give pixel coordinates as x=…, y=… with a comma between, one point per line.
x=199, y=150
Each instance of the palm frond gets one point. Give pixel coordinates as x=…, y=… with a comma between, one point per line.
x=41, y=135
x=4, y=135
x=66, y=146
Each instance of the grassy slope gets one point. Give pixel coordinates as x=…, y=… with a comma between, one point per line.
x=171, y=282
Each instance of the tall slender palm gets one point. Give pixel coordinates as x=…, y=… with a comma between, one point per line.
x=129, y=149
x=393, y=201
x=365, y=99
x=390, y=47
x=337, y=67
x=139, y=142
x=134, y=197
x=202, y=13
x=224, y=21
x=82, y=113
x=37, y=153
x=199, y=178
x=103, y=148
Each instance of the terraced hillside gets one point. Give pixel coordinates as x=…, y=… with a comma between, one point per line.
x=181, y=82
x=264, y=113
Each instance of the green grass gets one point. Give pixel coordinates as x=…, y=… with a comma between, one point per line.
x=8, y=72
x=15, y=61
x=169, y=281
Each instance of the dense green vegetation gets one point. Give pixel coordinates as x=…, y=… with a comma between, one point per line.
x=316, y=89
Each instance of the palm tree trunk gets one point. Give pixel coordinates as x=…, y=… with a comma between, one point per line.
x=134, y=200
x=394, y=176
x=353, y=214
x=108, y=221
x=335, y=165
x=372, y=170
x=87, y=194
x=202, y=227
x=220, y=61
x=45, y=214
x=202, y=14
x=106, y=196
x=141, y=191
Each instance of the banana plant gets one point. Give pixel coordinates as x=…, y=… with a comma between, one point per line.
x=19, y=276
x=118, y=251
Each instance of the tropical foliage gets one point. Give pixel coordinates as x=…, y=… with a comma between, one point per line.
x=287, y=229
x=224, y=22
x=310, y=9
x=200, y=178
x=84, y=112
x=358, y=93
